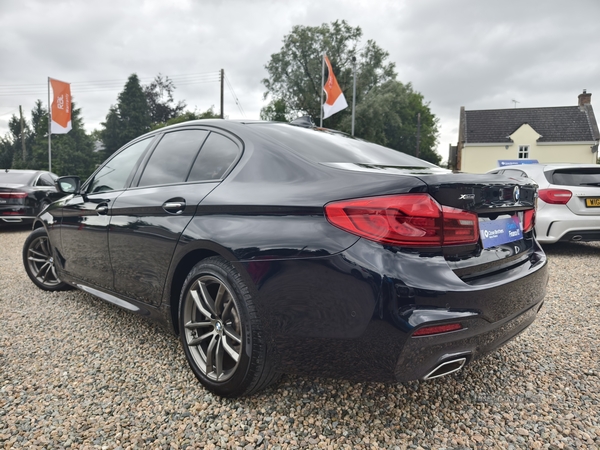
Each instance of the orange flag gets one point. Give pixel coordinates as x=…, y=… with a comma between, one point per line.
x=61, y=107
x=335, y=97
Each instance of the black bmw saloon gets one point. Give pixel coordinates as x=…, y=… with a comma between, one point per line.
x=272, y=248
x=25, y=193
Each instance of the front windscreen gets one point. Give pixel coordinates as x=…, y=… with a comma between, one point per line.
x=333, y=147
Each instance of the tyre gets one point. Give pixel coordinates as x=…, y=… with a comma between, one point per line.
x=39, y=262
x=221, y=333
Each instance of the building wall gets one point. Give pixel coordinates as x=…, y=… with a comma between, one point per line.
x=481, y=158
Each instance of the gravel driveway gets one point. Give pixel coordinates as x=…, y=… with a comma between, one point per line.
x=76, y=372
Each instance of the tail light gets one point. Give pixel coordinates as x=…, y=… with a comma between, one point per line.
x=415, y=220
x=528, y=220
x=555, y=196
x=13, y=195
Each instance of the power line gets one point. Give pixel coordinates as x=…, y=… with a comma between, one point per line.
x=237, y=101
x=106, y=85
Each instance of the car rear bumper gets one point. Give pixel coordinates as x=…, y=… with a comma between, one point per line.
x=16, y=219
x=353, y=315
x=576, y=228
x=554, y=224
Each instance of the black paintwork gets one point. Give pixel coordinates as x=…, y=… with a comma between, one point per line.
x=331, y=303
x=39, y=193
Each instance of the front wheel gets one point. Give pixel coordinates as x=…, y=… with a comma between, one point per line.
x=39, y=262
x=221, y=333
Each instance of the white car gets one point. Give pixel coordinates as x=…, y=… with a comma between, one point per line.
x=569, y=200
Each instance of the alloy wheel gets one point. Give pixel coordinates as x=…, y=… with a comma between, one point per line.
x=213, y=328
x=41, y=262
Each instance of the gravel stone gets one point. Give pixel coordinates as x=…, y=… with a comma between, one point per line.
x=79, y=373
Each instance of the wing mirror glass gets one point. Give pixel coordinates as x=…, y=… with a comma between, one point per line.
x=68, y=185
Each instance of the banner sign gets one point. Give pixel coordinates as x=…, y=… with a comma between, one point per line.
x=515, y=162
x=61, y=107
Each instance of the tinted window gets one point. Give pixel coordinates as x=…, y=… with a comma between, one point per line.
x=328, y=147
x=577, y=177
x=114, y=174
x=15, y=177
x=45, y=180
x=173, y=157
x=217, y=154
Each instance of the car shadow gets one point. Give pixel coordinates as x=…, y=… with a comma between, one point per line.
x=572, y=248
x=14, y=227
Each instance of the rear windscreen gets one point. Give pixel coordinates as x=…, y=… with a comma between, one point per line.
x=331, y=147
x=575, y=177
x=15, y=177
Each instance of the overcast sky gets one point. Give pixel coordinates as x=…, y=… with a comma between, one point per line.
x=477, y=54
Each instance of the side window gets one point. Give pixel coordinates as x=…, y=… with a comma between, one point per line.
x=115, y=172
x=216, y=156
x=173, y=157
x=44, y=180
x=514, y=173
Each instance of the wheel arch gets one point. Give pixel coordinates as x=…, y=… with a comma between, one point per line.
x=182, y=269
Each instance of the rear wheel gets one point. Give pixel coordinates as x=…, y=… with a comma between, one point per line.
x=39, y=262
x=221, y=332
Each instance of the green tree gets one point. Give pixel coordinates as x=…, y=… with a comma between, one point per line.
x=161, y=105
x=189, y=115
x=295, y=71
x=128, y=119
x=276, y=111
x=72, y=152
x=388, y=116
x=13, y=143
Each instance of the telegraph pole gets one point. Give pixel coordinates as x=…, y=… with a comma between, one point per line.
x=222, y=90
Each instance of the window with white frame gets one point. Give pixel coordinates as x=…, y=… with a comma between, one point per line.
x=523, y=151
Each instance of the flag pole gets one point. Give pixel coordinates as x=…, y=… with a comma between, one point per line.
x=49, y=130
x=322, y=84
x=353, y=91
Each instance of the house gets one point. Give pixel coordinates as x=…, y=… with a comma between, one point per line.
x=494, y=137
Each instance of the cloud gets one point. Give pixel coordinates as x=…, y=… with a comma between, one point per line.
x=480, y=55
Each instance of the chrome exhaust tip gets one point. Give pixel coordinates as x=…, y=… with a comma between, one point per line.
x=446, y=368
x=577, y=237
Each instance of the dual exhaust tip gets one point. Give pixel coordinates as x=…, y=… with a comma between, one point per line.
x=446, y=368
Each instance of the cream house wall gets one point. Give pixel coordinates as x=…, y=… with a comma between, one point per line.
x=479, y=158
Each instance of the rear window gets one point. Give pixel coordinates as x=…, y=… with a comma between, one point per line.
x=15, y=177
x=330, y=147
x=575, y=176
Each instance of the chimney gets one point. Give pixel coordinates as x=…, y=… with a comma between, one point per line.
x=585, y=98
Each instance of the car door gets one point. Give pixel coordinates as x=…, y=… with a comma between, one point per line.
x=148, y=218
x=86, y=218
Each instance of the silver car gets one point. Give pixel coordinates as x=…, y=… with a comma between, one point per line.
x=569, y=200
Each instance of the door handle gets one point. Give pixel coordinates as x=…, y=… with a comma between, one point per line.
x=174, y=206
x=102, y=209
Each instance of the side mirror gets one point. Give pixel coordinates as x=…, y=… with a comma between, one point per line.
x=68, y=185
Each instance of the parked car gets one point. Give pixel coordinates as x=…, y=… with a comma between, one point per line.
x=569, y=200
x=271, y=248
x=25, y=193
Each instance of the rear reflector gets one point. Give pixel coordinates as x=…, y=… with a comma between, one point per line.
x=555, y=196
x=437, y=329
x=528, y=220
x=415, y=220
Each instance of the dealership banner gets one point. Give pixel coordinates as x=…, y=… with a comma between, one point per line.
x=335, y=101
x=61, y=107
